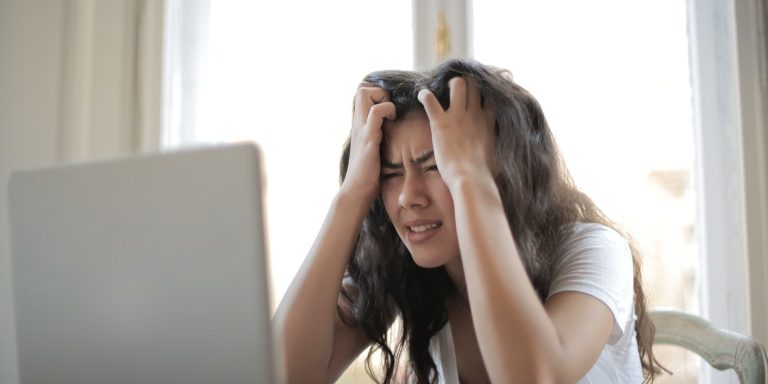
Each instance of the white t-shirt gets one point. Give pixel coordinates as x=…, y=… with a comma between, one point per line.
x=595, y=260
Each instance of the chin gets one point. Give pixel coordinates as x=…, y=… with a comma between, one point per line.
x=428, y=261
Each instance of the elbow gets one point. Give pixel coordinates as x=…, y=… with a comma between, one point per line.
x=541, y=370
x=547, y=373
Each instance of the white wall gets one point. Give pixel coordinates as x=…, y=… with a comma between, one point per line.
x=78, y=80
x=752, y=48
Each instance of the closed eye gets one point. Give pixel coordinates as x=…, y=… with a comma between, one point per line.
x=431, y=168
x=386, y=176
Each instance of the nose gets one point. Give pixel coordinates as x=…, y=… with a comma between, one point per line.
x=413, y=193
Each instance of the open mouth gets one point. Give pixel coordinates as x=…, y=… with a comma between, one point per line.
x=423, y=232
x=423, y=228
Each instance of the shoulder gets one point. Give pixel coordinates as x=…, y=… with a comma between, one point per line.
x=596, y=260
x=592, y=235
x=592, y=244
x=592, y=248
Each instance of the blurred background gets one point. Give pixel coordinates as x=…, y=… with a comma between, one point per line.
x=657, y=106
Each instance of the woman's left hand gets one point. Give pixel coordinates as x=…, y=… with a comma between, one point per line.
x=463, y=135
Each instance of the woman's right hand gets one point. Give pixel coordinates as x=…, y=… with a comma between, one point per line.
x=372, y=106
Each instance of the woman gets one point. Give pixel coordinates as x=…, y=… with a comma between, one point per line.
x=457, y=216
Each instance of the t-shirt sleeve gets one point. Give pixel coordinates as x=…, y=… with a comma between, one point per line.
x=596, y=260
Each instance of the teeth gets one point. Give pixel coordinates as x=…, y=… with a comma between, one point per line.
x=423, y=228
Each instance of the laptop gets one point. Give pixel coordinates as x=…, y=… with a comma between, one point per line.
x=149, y=269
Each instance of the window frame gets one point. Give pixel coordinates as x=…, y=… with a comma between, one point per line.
x=727, y=47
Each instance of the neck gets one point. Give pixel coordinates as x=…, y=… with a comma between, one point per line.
x=455, y=271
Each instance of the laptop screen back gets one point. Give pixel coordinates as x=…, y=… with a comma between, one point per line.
x=149, y=269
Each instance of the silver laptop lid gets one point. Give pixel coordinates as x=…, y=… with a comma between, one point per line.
x=149, y=269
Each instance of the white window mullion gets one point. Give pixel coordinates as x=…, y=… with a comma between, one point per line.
x=442, y=29
x=186, y=45
x=719, y=171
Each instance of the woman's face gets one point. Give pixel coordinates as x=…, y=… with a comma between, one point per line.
x=416, y=198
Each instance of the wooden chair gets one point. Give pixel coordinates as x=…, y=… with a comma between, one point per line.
x=720, y=348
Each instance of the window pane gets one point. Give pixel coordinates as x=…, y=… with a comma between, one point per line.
x=613, y=79
x=278, y=74
x=283, y=74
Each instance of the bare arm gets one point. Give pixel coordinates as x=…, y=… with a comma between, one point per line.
x=521, y=340
x=318, y=345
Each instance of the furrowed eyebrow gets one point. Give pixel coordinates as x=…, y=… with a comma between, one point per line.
x=424, y=158
x=419, y=160
x=390, y=165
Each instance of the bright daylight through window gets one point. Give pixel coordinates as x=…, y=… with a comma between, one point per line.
x=616, y=94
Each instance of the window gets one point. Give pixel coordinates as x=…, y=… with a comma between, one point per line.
x=276, y=73
x=613, y=80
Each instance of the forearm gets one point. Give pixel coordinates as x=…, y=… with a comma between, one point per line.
x=516, y=337
x=306, y=315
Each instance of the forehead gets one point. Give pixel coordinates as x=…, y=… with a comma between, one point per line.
x=409, y=136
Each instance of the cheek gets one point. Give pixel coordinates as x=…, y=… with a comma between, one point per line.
x=389, y=197
x=446, y=206
x=442, y=196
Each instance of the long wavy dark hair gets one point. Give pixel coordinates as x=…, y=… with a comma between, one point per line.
x=540, y=200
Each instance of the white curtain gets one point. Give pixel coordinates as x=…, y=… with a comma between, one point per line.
x=79, y=80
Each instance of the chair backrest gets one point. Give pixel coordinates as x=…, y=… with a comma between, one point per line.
x=720, y=348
